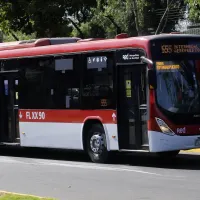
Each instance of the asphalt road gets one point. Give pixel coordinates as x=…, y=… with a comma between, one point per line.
x=71, y=176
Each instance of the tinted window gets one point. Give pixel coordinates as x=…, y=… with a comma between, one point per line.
x=48, y=83
x=178, y=86
x=97, y=91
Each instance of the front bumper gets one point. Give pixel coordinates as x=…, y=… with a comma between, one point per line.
x=159, y=142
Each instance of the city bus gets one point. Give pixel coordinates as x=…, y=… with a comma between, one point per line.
x=102, y=96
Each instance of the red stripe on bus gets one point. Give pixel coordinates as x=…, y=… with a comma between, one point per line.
x=67, y=116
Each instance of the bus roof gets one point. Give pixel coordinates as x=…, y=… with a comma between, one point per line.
x=36, y=43
x=59, y=48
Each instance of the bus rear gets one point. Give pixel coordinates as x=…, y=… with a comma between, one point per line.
x=174, y=103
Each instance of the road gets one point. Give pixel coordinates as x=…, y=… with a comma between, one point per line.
x=71, y=176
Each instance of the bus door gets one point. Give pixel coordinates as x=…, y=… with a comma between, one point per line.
x=132, y=106
x=9, y=122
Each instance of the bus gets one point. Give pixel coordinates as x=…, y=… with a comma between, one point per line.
x=102, y=96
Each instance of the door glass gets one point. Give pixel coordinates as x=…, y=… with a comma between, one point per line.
x=128, y=108
x=132, y=107
x=11, y=108
x=143, y=105
x=16, y=92
x=16, y=108
x=6, y=87
x=130, y=102
x=8, y=102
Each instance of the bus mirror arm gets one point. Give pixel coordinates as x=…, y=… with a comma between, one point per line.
x=146, y=60
x=151, y=73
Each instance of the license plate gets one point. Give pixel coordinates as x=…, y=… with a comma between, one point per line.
x=197, y=142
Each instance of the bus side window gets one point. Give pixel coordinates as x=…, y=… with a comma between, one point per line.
x=49, y=83
x=72, y=98
x=67, y=83
x=97, y=91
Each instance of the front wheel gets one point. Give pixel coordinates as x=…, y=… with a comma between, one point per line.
x=96, y=144
x=168, y=154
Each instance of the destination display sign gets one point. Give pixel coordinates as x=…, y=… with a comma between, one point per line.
x=127, y=56
x=175, y=48
x=167, y=66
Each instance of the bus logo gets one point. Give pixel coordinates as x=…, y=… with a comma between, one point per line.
x=131, y=57
x=181, y=130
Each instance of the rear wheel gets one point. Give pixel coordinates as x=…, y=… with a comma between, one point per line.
x=96, y=144
x=168, y=154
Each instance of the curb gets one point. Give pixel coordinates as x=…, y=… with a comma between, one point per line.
x=20, y=194
x=192, y=151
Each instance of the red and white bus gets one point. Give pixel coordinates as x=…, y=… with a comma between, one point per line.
x=102, y=95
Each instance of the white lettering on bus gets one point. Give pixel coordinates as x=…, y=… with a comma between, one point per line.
x=28, y=115
x=181, y=130
x=35, y=115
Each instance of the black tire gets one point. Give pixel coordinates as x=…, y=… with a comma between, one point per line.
x=102, y=155
x=168, y=154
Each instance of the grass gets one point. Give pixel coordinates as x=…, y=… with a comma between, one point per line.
x=10, y=196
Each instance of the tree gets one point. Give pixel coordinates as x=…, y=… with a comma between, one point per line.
x=194, y=10
x=47, y=18
x=86, y=18
x=17, y=36
x=1, y=37
x=172, y=11
x=111, y=17
x=134, y=17
x=4, y=22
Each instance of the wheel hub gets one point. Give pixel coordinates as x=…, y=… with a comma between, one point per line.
x=97, y=143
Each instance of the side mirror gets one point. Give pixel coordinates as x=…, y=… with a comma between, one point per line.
x=152, y=78
x=151, y=73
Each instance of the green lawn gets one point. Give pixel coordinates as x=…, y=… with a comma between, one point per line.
x=4, y=196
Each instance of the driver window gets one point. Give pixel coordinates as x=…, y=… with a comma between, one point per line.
x=97, y=91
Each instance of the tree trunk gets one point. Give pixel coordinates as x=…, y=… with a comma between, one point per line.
x=135, y=10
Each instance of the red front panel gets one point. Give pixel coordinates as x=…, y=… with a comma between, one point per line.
x=178, y=129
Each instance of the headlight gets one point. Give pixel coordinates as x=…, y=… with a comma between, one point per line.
x=163, y=127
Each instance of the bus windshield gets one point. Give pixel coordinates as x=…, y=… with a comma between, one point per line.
x=178, y=86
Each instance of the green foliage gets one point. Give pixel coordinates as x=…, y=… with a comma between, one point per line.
x=19, y=35
x=109, y=18
x=82, y=18
x=131, y=16
x=194, y=10
x=4, y=22
x=20, y=197
x=47, y=18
